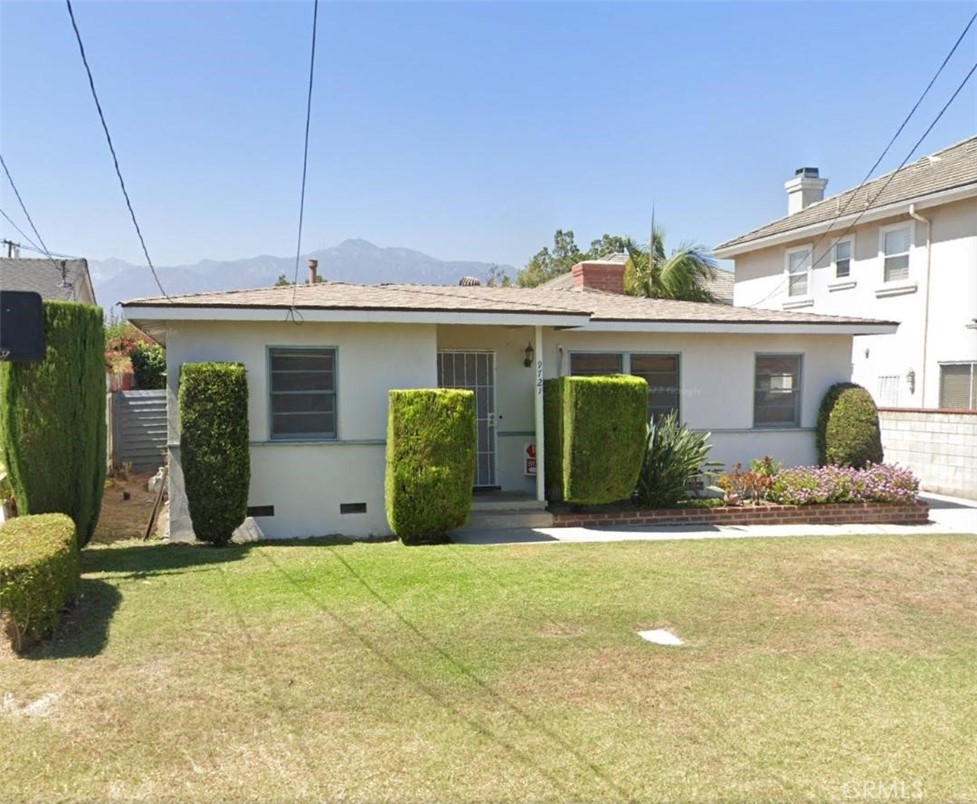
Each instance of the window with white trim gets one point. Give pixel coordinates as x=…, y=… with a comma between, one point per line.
x=894, y=245
x=660, y=371
x=777, y=391
x=888, y=390
x=798, y=270
x=302, y=385
x=841, y=254
x=958, y=386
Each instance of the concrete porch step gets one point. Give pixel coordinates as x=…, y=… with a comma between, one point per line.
x=499, y=518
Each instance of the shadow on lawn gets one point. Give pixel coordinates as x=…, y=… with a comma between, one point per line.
x=140, y=561
x=84, y=628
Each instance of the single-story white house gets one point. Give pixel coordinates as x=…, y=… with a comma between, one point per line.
x=322, y=357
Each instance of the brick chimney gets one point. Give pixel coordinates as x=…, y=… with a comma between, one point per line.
x=599, y=275
x=806, y=188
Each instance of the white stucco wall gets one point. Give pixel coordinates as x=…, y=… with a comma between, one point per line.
x=306, y=482
x=951, y=298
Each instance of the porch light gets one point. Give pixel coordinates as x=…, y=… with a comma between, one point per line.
x=530, y=354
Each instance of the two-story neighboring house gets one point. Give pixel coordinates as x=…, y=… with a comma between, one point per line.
x=902, y=247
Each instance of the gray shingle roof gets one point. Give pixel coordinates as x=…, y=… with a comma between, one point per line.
x=595, y=305
x=948, y=169
x=61, y=280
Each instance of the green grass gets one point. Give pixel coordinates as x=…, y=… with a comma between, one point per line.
x=375, y=671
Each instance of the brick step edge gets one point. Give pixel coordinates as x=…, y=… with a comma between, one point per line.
x=829, y=514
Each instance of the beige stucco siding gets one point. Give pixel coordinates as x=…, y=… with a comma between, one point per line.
x=307, y=482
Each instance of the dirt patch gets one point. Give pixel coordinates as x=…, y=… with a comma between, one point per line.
x=126, y=507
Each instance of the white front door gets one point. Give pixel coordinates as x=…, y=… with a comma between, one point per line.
x=475, y=371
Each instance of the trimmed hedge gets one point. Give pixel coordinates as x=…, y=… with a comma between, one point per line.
x=149, y=366
x=214, y=450
x=848, y=427
x=39, y=576
x=604, y=431
x=52, y=419
x=553, y=438
x=430, y=462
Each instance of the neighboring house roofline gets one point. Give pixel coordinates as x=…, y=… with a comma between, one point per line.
x=734, y=248
x=942, y=177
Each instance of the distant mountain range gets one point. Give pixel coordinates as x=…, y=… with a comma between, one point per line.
x=350, y=261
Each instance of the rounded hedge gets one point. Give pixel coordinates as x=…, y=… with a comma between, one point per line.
x=52, y=419
x=848, y=427
x=214, y=450
x=430, y=462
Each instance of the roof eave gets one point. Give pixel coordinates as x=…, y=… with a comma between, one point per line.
x=747, y=327
x=732, y=249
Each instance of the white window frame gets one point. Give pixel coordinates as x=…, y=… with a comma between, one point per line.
x=883, y=230
x=796, y=392
x=851, y=257
x=809, y=250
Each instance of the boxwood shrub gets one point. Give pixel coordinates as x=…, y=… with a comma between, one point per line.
x=848, y=427
x=39, y=576
x=604, y=431
x=214, y=450
x=430, y=465
x=52, y=419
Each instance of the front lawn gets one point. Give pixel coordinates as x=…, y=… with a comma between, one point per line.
x=814, y=667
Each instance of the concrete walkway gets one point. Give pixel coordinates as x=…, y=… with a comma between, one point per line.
x=947, y=515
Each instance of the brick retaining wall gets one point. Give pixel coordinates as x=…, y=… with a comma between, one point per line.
x=833, y=514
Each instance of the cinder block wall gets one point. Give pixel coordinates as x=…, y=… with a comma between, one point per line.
x=940, y=447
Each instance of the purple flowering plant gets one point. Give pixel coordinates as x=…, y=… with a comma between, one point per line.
x=809, y=485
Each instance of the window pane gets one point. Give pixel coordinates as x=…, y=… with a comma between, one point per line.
x=303, y=398
x=777, y=391
x=843, y=250
x=661, y=372
x=896, y=268
x=956, y=387
x=798, y=261
x=797, y=284
x=584, y=365
x=842, y=268
x=896, y=241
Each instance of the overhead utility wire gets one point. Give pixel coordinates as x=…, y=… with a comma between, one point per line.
x=108, y=137
x=305, y=161
x=909, y=156
x=878, y=161
x=27, y=215
x=22, y=233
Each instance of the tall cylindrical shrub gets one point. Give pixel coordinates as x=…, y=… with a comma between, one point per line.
x=214, y=450
x=848, y=431
x=604, y=433
x=52, y=419
x=430, y=469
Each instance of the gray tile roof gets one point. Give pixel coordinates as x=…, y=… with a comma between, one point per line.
x=595, y=305
x=61, y=280
x=948, y=169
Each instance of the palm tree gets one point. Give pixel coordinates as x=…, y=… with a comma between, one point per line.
x=683, y=276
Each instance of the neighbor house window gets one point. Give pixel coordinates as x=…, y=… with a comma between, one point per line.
x=842, y=259
x=660, y=371
x=958, y=386
x=583, y=364
x=777, y=391
x=303, y=393
x=798, y=268
x=895, y=253
x=888, y=390
x=661, y=374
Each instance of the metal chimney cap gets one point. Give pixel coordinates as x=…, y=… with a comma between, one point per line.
x=808, y=172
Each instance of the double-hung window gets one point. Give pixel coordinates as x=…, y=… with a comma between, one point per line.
x=842, y=259
x=303, y=393
x=958, y=386
x=660, y=371
x=777, y=391
x=798, y=271
x=894, y=245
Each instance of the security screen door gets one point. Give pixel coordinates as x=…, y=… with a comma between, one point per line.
x=475, y=371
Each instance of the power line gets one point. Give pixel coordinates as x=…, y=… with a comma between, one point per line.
x=108, y=137
x=878, y=161
x=305, y=158
x=23, y=208
x=20, y=231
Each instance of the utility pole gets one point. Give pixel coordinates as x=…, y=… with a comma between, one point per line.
x=13, y=249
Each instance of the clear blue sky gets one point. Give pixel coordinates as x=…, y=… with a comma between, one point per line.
x=465, y=130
